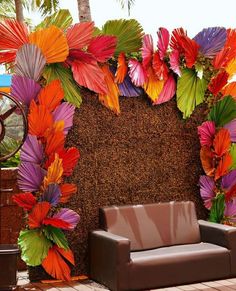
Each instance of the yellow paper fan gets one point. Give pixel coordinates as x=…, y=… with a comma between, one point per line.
x=231, y=68
x=153, y=86
x=52, y=43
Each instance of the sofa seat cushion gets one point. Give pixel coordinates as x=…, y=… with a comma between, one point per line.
x=179, y=264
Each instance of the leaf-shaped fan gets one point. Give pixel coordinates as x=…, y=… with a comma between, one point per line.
x=190, y=91
x=52, y=43
x=128, y=32
x=29, y=62
x=13, y=126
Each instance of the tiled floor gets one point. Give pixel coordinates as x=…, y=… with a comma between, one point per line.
x=88, y=285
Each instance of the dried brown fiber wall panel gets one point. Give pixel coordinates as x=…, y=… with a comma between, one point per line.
x=146, y=154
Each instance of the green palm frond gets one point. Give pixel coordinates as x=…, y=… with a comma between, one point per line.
x=223, y=111
x=190, y=91
x=62, y=19
x=71, y=89
x=129, y=34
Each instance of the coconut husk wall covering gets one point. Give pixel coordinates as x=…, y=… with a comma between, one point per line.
x=146, y=154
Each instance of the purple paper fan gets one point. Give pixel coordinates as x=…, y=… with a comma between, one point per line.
x=228, y=180
x=231, y=126
x=127, y=88
x=207, y=186
x=32, y=150
x=24, y=89
x=52, y=194
x=68, y=216
x=65, y=111
x=30, y=177
x=211, y=40
x=29, y=62
x=230, y=210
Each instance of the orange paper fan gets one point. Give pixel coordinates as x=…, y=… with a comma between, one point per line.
x=52, y=42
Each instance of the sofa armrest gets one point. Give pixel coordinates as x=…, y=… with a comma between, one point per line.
x=220, y=234
x=109, y=258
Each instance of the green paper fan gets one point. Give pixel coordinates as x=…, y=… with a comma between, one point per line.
x=71, y=90
x=57, y=236
x=223, y=111
x=233, y=155
x=217, y=209
x=62, y=19
x=34, y=246
x=190, y=91
x=129, y=34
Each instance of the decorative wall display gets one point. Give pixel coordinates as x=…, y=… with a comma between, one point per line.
x=52, y=63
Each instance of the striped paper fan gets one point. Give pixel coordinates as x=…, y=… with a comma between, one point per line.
x=52, y=43
x=29, y=62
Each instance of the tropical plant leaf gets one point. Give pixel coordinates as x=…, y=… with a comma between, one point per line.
x=54, y=173
x=223, y=111
x=111, y=99
x=57, y=236
x=79, y=35
x=38, y=214
x=233, y=155
x=128, y=32
x=190, y=91
x=153, y=86
x=229, y=89
x=29, y=62
x=34, y=246
x=62, y=19
x=55, y=265
x=168, y=90
x=52, y=43
x=24, y=89
x=13, y=35
x=71, y=90
x=217, y=209
x=211, y=40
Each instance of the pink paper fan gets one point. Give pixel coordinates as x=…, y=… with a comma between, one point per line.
x=137, y=73
x=168, y=91
x=163, y=41
x=29, y=62
x=175, y=62
x=147, y=50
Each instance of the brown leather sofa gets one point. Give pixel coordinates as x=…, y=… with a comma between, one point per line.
x=150, y=246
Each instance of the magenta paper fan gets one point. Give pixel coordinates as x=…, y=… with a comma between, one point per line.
x=228, y=180
x=29, y=62
x=24, y=89
x=64, y=111
x=175, y=62
x=52, y=194
x=137, y=72
x=147, y=50
x=207, y=186
x=168, y=91
x=30, y=177
x=206, y=133
x=231, y=126
x=68, y=216
x=163, y=41
x=32, y=150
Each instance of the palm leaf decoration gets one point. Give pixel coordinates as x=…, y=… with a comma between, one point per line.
x=29, y=62
x=129, y=34
x=71, y=90
x=57, y=236
x=61, y=19
x=217, y=209
x=126, y=3
x=223, y=111
x=34, y=246
x=52, y=43
x=233, y=155
x=190, y=91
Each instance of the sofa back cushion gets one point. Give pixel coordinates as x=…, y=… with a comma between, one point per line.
x=153, y=225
